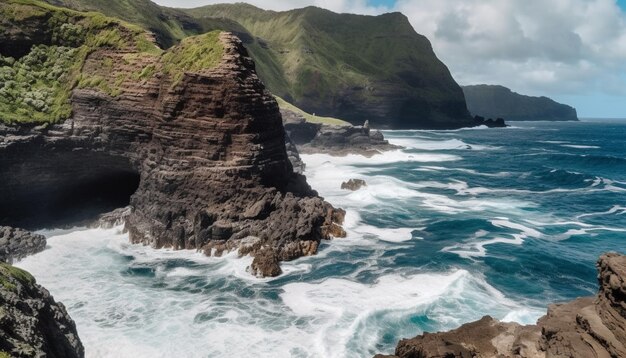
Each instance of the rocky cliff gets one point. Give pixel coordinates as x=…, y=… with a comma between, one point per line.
x=584, y=328
x=32, y=324
x=353, y=67
x=189, y=137
x=497, y=101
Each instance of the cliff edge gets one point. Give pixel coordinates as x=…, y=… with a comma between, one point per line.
x=583, y=328
x=189, y=137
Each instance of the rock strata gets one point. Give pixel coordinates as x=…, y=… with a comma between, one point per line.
x=15, y=244
x=201, y=156
x=584, y=328
x=32, y=324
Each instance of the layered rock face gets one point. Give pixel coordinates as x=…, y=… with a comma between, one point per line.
x=205, y=152
x=584, y=328
x=32, y=324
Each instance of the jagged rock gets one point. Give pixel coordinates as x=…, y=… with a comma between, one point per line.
x=353, y=184
x=312, y=138
x=32, y=324
x=202, y=158
x=15, y=244
x=586, y=327
x=265, y=264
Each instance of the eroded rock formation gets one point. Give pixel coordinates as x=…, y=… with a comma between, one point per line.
x=32, y=324
x=336, y=140
x=15, y=244
x=584, y=328
x=204, y=151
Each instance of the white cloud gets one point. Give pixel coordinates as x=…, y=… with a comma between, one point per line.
x=547, y=47
x=554, y=47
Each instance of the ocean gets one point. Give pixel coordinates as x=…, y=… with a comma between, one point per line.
x=458, y=225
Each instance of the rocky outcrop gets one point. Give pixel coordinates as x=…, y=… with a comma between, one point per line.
x=586, y=327
x=353, y=184
x=199, y=155
x=311, y=138
x=498, y=101
x=15, y=244
x=32, y=324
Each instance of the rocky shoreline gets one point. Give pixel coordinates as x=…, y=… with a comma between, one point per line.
x=200, y=158
x=583, y=328
x=337, y=140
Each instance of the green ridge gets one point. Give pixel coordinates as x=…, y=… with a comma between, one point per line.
x=338, y=65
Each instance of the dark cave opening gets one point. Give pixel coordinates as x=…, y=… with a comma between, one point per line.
x=56, y=190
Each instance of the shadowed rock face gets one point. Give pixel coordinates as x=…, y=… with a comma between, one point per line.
x=203, y=157
x=584, y=328
x=32, y=324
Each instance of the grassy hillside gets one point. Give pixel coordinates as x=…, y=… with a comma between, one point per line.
x=48, y=51
x=42, y=50
x=348, y=66
x=312, y=118
x=169, y=25
x=498, y=101
x=354, y=67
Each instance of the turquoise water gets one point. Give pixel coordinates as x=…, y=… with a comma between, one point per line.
x=457, y=225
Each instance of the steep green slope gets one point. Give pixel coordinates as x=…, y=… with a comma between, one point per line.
x=168, y=25
x=354, y=67
x=311, y=118
x=498, y=101
x=42, y=51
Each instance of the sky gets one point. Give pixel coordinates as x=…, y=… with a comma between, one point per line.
x=573, y=51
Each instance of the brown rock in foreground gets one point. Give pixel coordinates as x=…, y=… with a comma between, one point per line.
x=203, y=157
x=584, y=328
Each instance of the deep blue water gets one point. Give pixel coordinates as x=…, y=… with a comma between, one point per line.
x=457, y=225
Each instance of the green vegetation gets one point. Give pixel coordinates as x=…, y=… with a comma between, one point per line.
x=8, y=272
x=315, y=59
x=4, y=354
x=35, y=86
x=193, y=54
x=310, y=117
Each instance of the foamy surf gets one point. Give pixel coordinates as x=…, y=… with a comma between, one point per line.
x=440, y=236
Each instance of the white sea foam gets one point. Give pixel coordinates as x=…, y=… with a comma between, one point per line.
x=346, y=308
x=431, y=145
x=476, y=246
x=616, y=209
x=578, y=146
x=131, y=301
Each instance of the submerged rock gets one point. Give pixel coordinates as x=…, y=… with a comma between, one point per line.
x=353, y=184
x=32, y=324
x=586, y=327
x=15, y=244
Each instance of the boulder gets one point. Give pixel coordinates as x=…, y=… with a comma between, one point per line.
x=353, y=184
